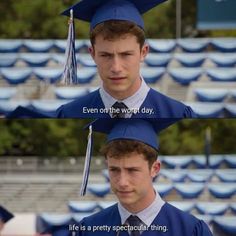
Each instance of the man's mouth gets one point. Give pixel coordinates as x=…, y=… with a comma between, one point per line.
x=116, y=78
x=124, y=192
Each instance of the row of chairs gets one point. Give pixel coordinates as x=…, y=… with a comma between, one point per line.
x=183, y=76
x=152, y=59
x=185, y=190
x=202, y=94
x=214, y=94
x=205, y=208
x=157, y=45
x=193, y=175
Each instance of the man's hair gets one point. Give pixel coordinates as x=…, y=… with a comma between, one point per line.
x=113, y=29
x=122, y=147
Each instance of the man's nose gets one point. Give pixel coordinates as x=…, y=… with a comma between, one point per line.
x=115, y=65
x=123, y=179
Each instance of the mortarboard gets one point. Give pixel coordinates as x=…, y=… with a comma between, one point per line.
x=143, y=130
x=98, y=11
x=5, y=215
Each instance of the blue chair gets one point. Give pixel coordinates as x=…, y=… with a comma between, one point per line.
x=86, y=75
x=38, y=45
x=224, y=44
x=99, y=190
x=221, y=74
x=157, y=59
x=70, y=92
x=177, y=161
x=222, y=190
x=207, y=110
x=7, y=106
x=212, y=208
x=190, y=59
x=230, y=110
x=183, y=206
x=35, y=59
x=105, y=204
x=7, y=46
x=7, y=93
x=82, y=206
x=47, y=106
x=224, y=225
x=162, y=46
x=48, y=75
x=223, y=59
x=16, y=75
x=216, y=160
x=226, y=175
x=176, y=176
x=8, y=59
x=200, y=176
x=163, y=189
x=85, y=60
x=211, y=95
x=193, y=45
x=151, y=75
x=185, y=76
x=230, y=160
x=189, y=190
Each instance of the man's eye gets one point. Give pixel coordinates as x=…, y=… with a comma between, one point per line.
x=126, y=54
x=105, y=55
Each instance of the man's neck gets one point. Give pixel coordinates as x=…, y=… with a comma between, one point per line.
x=137, y=207
x=121, y=95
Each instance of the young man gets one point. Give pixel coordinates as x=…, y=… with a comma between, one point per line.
x=132, y=163
x=118, y=47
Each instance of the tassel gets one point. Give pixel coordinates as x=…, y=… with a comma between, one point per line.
x=87, y=163
x=70, y=69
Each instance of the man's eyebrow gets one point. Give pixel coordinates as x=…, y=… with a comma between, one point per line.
x=126, y=168
x=105, y=52
x=111, y=53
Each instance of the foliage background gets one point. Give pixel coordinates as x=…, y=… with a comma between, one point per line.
x=66, y=137
x=40, y=19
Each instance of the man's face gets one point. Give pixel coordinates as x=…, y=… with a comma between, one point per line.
x=118, y=64
x=131, y=180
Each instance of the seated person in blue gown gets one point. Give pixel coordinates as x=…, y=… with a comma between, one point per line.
x=131, y=155
x=5, y=216
x=118, y=47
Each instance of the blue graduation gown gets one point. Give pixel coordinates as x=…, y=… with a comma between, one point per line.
x=91, y=106
x=177, y=223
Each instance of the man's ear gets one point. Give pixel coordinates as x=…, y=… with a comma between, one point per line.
x=92, y=51
x=155, y=169
x=144, y=51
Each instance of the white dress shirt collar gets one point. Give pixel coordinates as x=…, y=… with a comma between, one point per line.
x=133, y=102
x=147, y=215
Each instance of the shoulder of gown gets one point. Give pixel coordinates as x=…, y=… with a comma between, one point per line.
x=201, y=229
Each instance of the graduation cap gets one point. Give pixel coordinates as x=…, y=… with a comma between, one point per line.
x=5, y=215
x=98, y=11
x=142, y=130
